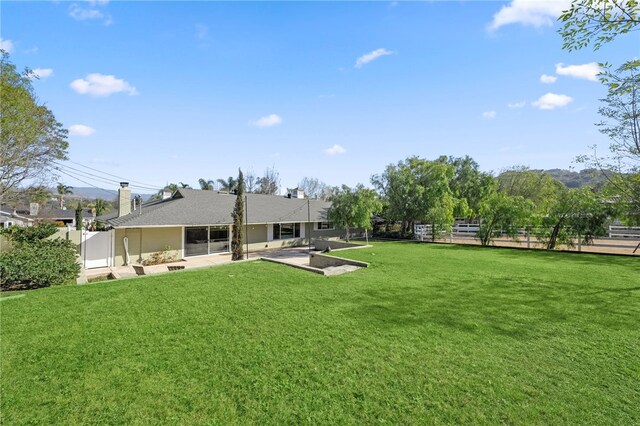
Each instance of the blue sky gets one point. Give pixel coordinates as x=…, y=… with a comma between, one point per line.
x=160, y=92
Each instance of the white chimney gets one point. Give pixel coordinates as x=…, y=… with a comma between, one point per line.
x=298, y=193
x=33, y=209
x=124, y=199
x=166, y=193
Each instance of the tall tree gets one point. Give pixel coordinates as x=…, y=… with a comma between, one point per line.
x=62, y=191
x=621, y=124
x=269, y=183
x=207, y=185
x=228, y=185
x=184, y=185
x=353, y=208
x=417, y=190
x=503, y=214
x=577, y=214
x=99, y=206
x=250, y=182
x=237, y=251
x=79, y=216
x=534, y=185
x=469, y=186
x=31, y=139
x=314, y=188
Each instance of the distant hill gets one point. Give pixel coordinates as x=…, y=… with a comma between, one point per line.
x=93, y=193
x=587, y=177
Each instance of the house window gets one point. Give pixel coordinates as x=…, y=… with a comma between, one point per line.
x=283, y=231
x=324, y=225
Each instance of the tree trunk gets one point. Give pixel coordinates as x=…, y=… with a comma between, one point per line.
x=553, y=237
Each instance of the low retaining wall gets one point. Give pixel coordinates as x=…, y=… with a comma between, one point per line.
x=321, y=245
x=322, y=261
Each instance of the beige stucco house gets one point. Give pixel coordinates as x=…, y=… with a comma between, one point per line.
x=193, y=222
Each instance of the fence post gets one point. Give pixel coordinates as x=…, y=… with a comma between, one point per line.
x=450, y=237
x=579, y=243
x=528, y=240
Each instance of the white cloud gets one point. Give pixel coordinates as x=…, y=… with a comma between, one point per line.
x=267, y=121
x=535, y=13
x=335, y=150
x=81, y=130
x=552, y=101
x=43, y=72
x=517, y=105
x=82, y=13
x=97, y=84
x=6, y=45
x=371, y=56
x=548, y=79
x=34, y=49
x=588, y=71
x=489, y=115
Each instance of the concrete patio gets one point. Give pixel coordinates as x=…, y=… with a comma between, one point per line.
x=298, y=257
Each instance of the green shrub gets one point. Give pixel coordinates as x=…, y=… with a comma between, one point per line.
x=38, y=264
x=29, y=234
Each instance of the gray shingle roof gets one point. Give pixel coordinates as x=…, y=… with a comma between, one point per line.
x=196, y=207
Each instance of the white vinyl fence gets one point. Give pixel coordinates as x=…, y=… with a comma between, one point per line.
x=621, y=239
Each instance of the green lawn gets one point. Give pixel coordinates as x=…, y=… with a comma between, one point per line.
x=428, y=334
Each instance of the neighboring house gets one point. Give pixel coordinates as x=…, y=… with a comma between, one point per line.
x=193, y=222
x=66, y=216
x=20, y=216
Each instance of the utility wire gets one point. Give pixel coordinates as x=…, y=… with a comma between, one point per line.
x=101, y=179
x=119, y=177
x=87, y=183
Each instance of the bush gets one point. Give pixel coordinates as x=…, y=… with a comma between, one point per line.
x=159, y=257
x=29, y=234
x=41, y=263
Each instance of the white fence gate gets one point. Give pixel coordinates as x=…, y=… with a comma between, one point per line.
x=96, y=249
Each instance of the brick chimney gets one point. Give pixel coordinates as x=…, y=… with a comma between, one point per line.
x=124, y=199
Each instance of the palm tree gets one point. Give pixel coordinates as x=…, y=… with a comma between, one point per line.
x=228, y=185
x=207, y=185
x=99, y=207
x=62, y=191
x=185, y=185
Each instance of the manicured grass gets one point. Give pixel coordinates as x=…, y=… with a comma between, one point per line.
x=428, y=334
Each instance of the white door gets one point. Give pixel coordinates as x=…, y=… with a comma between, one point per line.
x=96, y=249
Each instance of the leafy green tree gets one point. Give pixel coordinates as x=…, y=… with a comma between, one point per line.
x=79, y=216
x=353, y=208
x=31, y=139
x=596, y=22
x=417, y=190
x=533, y=185
x=503, y=214
x=237, y=251
x=469, y=186
x=62, y=191
x=576, y=214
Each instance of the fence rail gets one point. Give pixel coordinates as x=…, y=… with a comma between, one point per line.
x=621, y=239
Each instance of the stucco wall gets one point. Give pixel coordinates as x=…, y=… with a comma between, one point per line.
x=153, y=240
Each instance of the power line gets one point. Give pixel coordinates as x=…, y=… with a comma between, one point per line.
x=87, y=183
x=102, y=179
x=112, y=175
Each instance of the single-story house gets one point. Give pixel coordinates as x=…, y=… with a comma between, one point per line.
x=19, y=216
x=66, y=216
x=192, y=222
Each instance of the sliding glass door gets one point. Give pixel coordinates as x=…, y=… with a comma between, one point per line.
x=199, y=240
